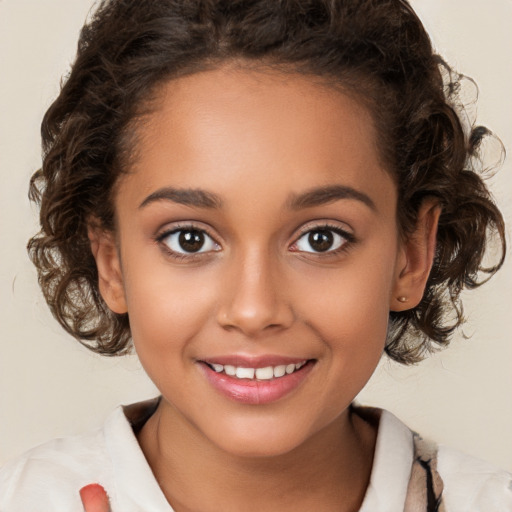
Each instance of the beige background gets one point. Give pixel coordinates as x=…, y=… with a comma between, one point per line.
x=50, y=386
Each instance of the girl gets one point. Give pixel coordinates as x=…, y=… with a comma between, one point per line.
x=263, y=197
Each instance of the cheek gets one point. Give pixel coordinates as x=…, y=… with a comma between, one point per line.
x=167, y=307
x=353, y=326
x=349, y=306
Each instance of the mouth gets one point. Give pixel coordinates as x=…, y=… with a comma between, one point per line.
x=256, y=382
x=265, y=373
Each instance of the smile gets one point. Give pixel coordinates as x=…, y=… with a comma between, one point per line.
x=258, y=383
x=267, y=373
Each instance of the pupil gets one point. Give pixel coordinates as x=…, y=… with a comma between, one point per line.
x=191, y=241
x=320, y=240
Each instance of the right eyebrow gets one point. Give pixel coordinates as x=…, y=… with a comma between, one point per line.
x=327, y=194
x=187, y=196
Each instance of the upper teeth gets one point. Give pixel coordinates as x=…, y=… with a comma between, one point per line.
x=267, y=373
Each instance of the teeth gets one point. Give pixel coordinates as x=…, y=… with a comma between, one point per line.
x=267, y=373
x=230, y=370
x=245, y=373
x=279, y=371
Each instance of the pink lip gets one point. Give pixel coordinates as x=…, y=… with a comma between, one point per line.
x=254, y=361
x=255, y=392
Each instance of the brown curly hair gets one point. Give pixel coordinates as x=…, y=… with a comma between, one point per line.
x=378, y=51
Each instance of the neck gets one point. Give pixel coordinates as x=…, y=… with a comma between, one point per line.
x=330, y=471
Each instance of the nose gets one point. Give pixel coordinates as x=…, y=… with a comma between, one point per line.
x=254, y=297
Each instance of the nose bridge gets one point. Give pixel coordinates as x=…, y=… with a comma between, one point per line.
x=254, y=298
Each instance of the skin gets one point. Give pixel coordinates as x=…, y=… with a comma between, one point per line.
x=94, y=498
x=256, y=139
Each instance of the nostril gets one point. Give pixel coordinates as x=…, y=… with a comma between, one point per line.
x=253, y=301
x=255, y=318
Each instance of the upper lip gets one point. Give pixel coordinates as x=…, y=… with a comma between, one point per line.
x=247, y=361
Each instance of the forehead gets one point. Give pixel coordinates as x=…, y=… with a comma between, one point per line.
x=242, y=129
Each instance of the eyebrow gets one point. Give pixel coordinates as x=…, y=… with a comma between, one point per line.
x=314, y=197
x=328, y=194
x=187, y=196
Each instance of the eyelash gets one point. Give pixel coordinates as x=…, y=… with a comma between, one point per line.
x=192, y=256
x=349, y=240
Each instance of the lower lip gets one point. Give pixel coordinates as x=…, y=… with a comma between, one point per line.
x=256, y=392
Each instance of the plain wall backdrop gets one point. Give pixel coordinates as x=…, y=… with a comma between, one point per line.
x=51, y=386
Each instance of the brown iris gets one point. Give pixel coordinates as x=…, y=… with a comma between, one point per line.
x=321, y=240
x=191, y=241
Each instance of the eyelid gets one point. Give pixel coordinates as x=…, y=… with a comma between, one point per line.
x=326, y=226
x=168, y=230
x=173, y=227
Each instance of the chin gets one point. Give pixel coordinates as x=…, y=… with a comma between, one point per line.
x=260, y=447
x=259, y=439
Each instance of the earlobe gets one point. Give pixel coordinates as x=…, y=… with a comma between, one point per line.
x=418, y=257
x=110, y=277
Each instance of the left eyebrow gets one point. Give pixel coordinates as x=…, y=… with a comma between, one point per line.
x=187, y=196
x=327, y=194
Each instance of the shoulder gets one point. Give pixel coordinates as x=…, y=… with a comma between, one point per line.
x=456, y=482
x=412, y=473
x=472, y=484
x=49, y=476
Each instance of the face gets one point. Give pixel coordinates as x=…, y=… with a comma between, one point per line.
x=257, y=236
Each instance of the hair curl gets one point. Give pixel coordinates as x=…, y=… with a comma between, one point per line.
x=376, y=50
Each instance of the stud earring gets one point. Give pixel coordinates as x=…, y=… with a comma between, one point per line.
x=402, y=299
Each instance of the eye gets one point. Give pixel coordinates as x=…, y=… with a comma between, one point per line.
x=185, y=241
x=322, y=239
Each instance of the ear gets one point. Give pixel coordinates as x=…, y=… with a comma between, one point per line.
x=416, y=259
x=110, y=276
